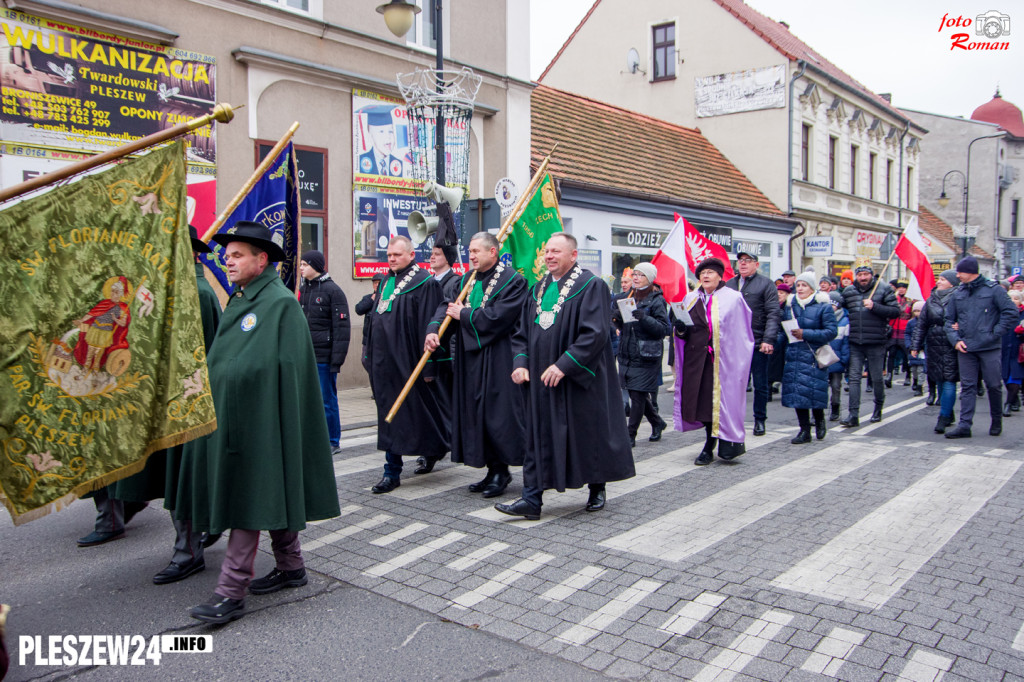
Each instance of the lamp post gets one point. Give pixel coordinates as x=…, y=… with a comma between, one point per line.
x=399, y=16
x=944, y=200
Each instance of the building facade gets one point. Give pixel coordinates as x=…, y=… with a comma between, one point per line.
x=834, y=155
x=329, y=66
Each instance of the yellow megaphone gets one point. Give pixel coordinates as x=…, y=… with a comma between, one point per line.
x=420, y=227
x=449, y=195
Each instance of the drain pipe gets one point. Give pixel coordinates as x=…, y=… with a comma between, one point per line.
x=789, y=157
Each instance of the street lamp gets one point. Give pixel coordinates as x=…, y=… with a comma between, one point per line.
x=964, y=232
x=399, y=16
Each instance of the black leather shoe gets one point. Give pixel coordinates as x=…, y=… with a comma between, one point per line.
x=499, y=481
x=942, y=424
x=996, y=428
x=876, y=416
x=960, y=431
x=277, y=580
x=596, y=501
x=918, y=391
x=1006, y=410
x=519, y=508
x=175, y=572
x=730, y=451
x=758, y=427
x=385, y=485
x=820, y=430
x=219, y=610
x=834, y=415
x=704, y=458
x=657, y=430
x=850, y=421
x=888, y=382
x=210, y=539
x=424, y=465
x=931, y=399
x=480, y=485
x=97, y=538
x=804, y=436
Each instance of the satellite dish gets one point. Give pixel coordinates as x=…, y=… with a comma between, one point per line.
x=633, y=61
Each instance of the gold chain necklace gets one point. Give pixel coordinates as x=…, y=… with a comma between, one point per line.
x=385, y=303
x=490, y=285
x=547, y=317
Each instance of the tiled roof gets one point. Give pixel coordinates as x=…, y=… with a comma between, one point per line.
x=776, y=35
x=938, y=228
x=607, y=147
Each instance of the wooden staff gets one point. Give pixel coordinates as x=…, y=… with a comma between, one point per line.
x=250, y=183
x=884, y=268
x=512, y=217
x=222, y=112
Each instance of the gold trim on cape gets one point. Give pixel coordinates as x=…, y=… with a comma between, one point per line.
x=716, y=402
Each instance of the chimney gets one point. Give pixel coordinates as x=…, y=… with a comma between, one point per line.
x=887, y=96
x=785, y=25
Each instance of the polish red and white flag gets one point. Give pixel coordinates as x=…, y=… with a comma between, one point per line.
x=682, y=251
x=912, y=250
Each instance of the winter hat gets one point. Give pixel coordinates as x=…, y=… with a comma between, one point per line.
x=950, y=276
x=315, y=260
x=836, y=298
x=648, y=270
x=451, y=253
x=918, y=306
x=847, y=274
x=968, y=265
x=784, y=287
x=710, y=264
x=807, y=278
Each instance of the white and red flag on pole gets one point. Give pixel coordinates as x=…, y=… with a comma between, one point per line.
x=912, y=250
x=682, y=251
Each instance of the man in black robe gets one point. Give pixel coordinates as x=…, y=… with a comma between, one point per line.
x=575, y=433
x=403, y=306
x=487, y=415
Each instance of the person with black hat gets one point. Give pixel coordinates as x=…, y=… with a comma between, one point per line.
x=870, y=305
x=269, y=461
x=575, y=434
x=488, y=409
x=404, y=306
x=189, y=545
x=326, y=309
x=762, y=298
x=714, y=348
x=978, y=315
x=941, y=364
x=442, y=258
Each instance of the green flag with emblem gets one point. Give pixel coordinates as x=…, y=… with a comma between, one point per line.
x=525, y=241
x=101, y=342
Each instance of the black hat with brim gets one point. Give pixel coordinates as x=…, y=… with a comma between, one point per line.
x=255, y=234
x=198, y=245
x=710, y=264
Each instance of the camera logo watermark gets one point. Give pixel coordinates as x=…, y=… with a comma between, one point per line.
x=988, y=31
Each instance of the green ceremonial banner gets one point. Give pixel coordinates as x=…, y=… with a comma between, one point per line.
x=101, y=343
x=525, y=241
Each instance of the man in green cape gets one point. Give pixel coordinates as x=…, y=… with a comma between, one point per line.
x=269, y=462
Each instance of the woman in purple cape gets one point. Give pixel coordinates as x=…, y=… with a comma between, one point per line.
x=714, y=347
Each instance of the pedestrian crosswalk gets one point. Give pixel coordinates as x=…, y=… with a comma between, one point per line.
x=622, y=575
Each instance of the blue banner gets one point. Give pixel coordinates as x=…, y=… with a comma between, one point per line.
x=273, y=202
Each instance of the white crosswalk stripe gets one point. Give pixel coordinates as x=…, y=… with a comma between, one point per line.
x=832, y=650
x=347, y=532
x=503, y=580
x=651, y=471
x=673, y=537
x=597, y=622
x=870, y=561
x=355, y=465
x=399, y=534
x=403, y=560
x=441, y=480
x=925, y=666
x=475, y=557
x=345, y=511
x=692, y=613
x=574, y=583
x=745, y=648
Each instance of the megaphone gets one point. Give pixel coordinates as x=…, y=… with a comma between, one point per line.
x=420, y=227
x=449, y=195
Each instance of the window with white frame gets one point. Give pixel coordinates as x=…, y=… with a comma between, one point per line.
x=312, y=8
x=422, y=32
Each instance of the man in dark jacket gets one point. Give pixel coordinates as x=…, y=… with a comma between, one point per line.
x=978, y=315
x=364, y=308
x=761, y=296
x=870, y=310
x=326, y=311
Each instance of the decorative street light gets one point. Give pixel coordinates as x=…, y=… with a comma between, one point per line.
x=963, y=233
x=399, y=15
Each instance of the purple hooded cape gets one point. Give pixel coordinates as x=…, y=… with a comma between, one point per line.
x=734, y=345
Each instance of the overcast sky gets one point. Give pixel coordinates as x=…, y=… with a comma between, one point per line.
x=888, y=45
